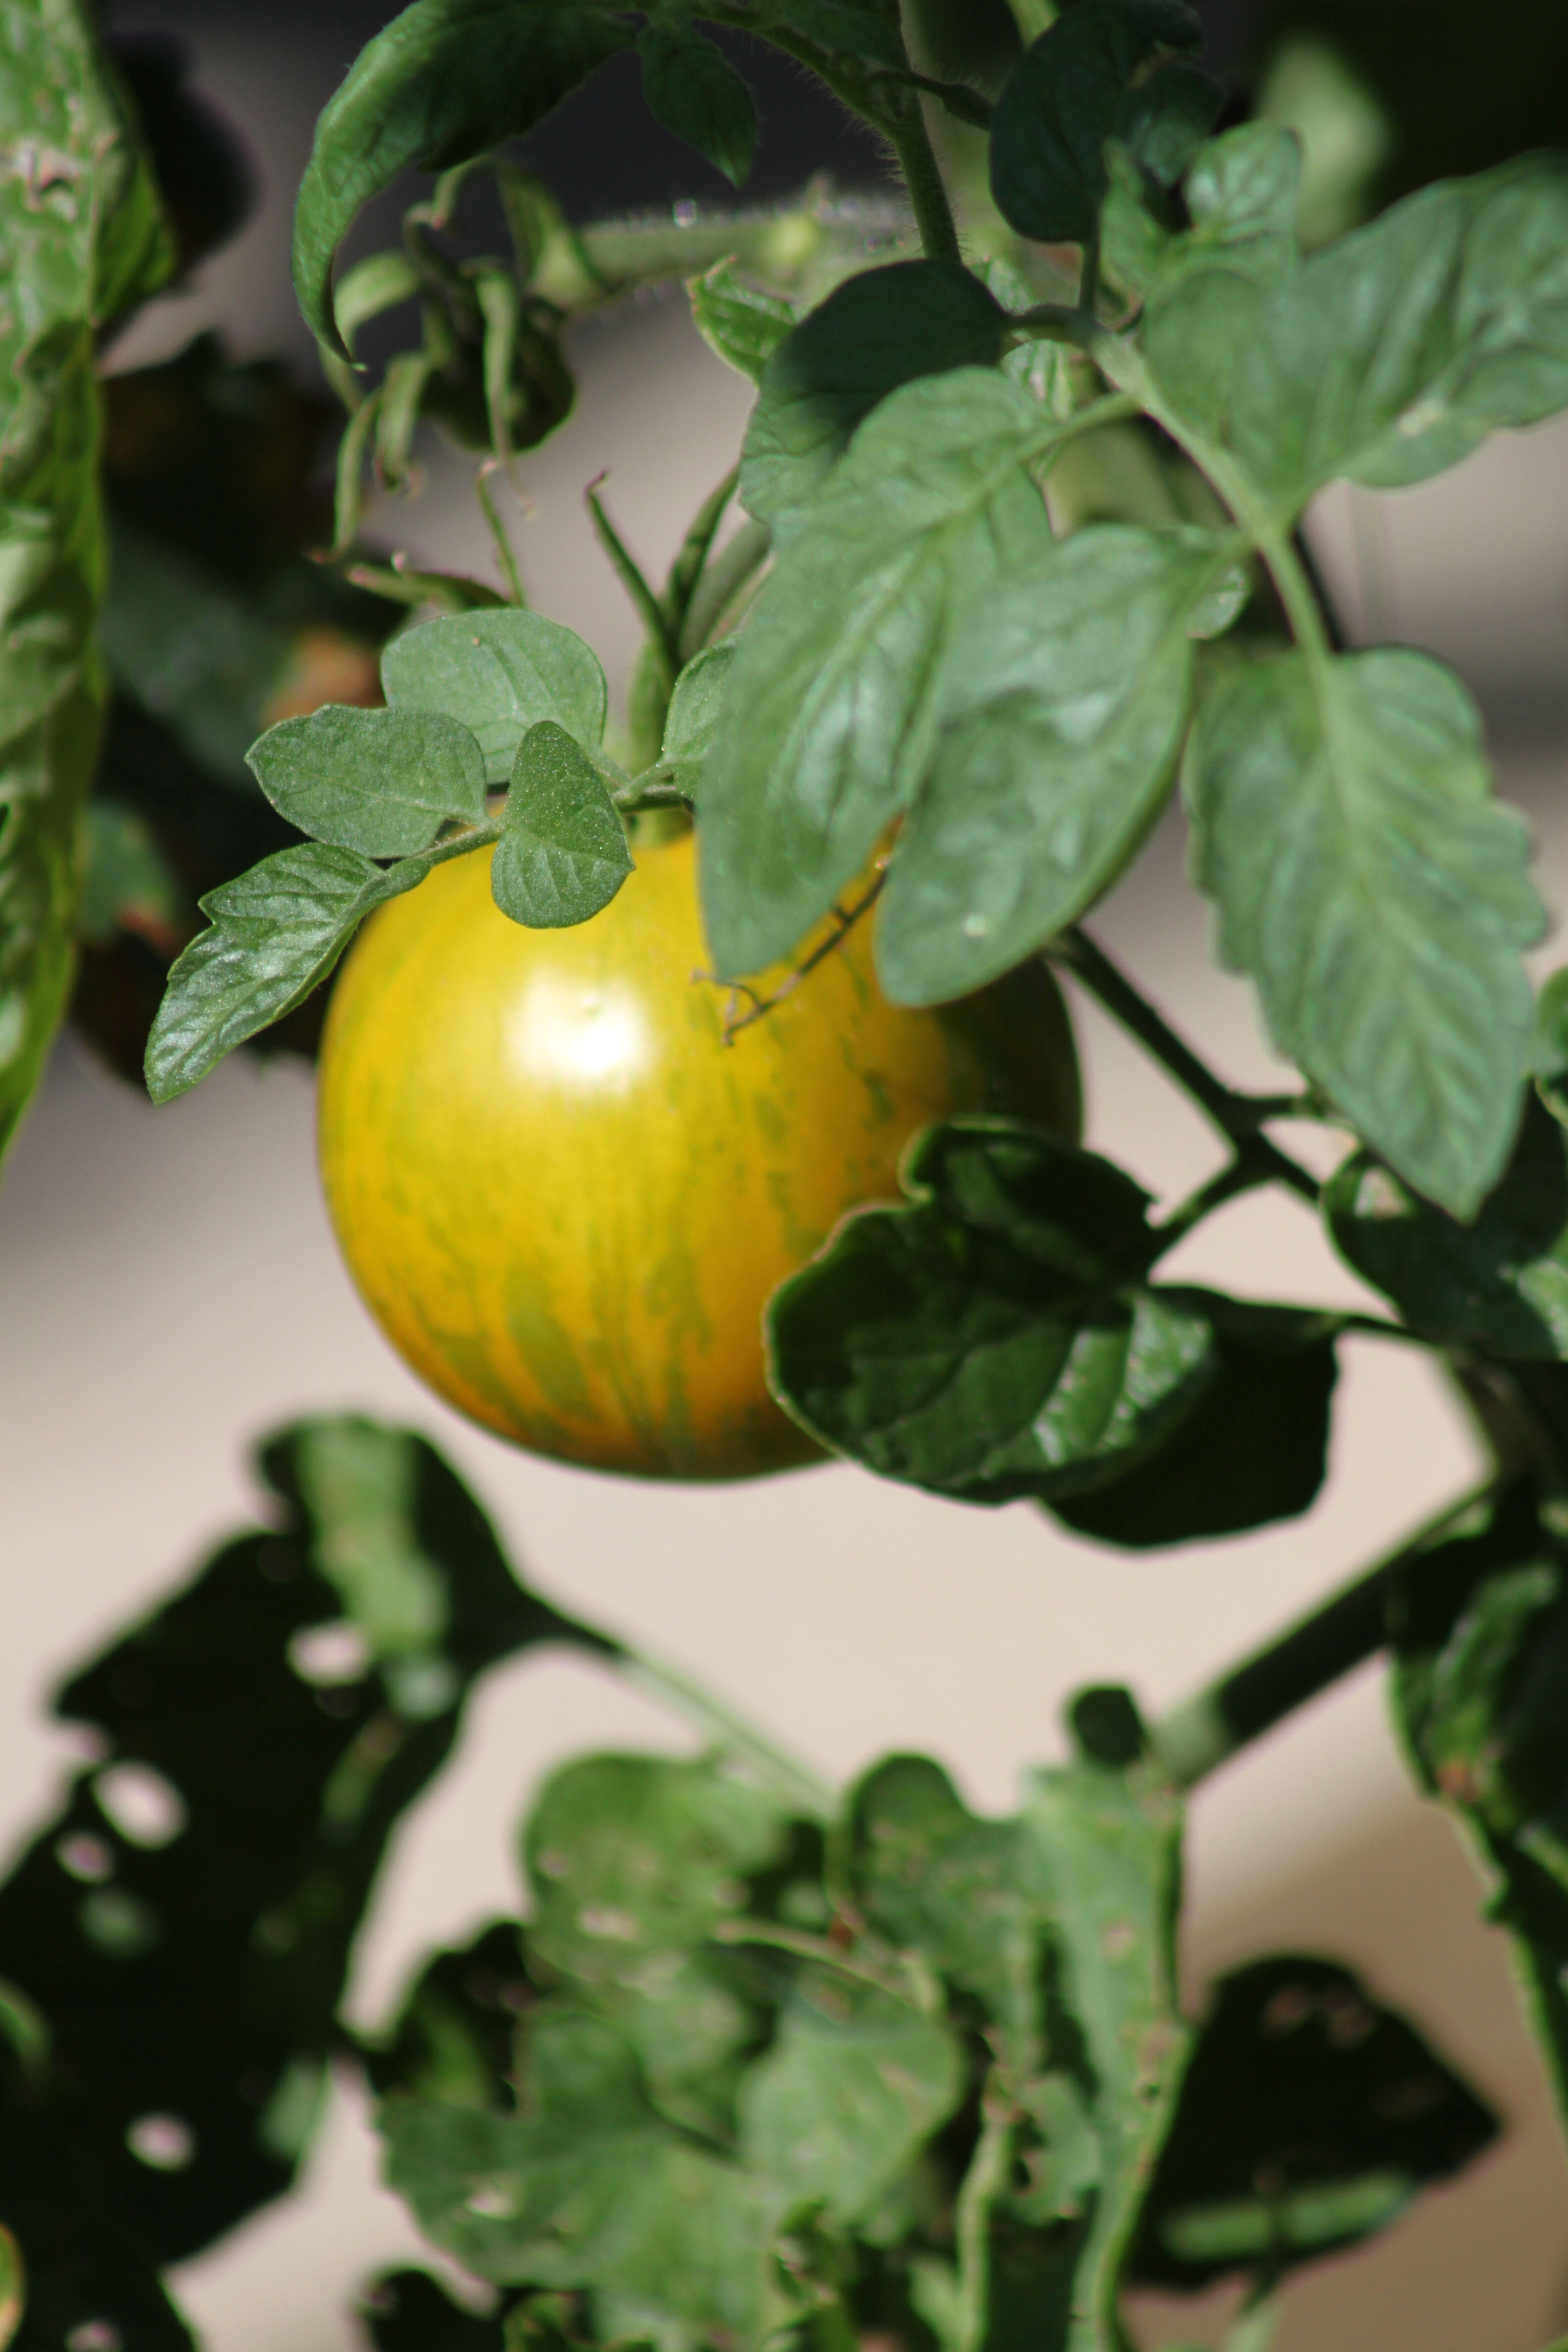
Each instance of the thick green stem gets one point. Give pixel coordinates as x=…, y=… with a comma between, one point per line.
x=1205, y=1730
x=1236, y=1115
x=982, y=2184
x=922, y=177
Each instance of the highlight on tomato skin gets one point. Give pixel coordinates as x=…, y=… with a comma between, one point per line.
x=565, y=1198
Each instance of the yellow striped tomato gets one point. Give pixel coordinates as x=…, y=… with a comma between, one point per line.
x=565, y=1200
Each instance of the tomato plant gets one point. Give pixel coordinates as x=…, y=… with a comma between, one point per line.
x=1011, y=553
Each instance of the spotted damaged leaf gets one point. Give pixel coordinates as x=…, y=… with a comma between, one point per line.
x=183, y=1926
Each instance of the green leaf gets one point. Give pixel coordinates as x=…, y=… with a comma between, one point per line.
x=693, y=90
x=936, y=1880
x=1105, y=1849
x=1063, y=99
x=185, y=1924
x=127, y=882
x=83, y=238
x=563, y=852
x=1253, y=1450
x=1063, y=702
x=444, y=81
x=630, y=1856
x=877, y=330
x=836, y=2109
x=1241, y=192
x=694, y=717
x=842, y=30
x=499, y=674
x=741, y=323
x=987, y=1341
x=1164, y=121
x=1502, y=1283
x=1401, y=347
x=382, y=781
x=1194, y=332
x=589, y=2188
x=1309, y=2116
x=1479, y=1695
x=275, y=933
x=831, y=707
x=1549, y=1060
x=1379, y=899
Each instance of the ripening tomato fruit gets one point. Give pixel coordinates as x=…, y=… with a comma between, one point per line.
x=565, y=1200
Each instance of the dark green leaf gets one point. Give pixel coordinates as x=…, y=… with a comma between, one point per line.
x=630, y=1856
x=407, y=2311
x=1401, y=347
x=1550, y=1061
x=693, y=90
x=1063, y=703
x=185, y=1924
x=78, y=2270
x=986, y=1342
x=1253, y=1449
x=499, y=674
x=1105, y=1850
x=1499, y=1284
x=839, y=2105
x=563, y=852
x=127, y=881
x=741, y=323
x=1379, y=899
x=589, y=2188
x=844, y=30
x=444, y=81
x=693, y=718
x=877, y=330
x=455, y=2034
x=275, y=933
x=937, y=1881
x=1165, y=120
x=830, y=708
x=1309, y=2116
x=383, y=782
x=1063, y=99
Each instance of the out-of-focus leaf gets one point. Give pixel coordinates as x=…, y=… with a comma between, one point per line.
x=1479, y=1695
x=407, y=2311
x=1499, y=1284
x=693, y=90
x=993, y=1339
x=936, y=1880
x=1063, y=704
x=1068, y=94
x=831, y=706
x=184, y=1926
x=81, y=240
x=563, y=852
x=1254, y=1448
x=588, y=2188
x=1378, y=895
x=742, y=322
x=446, y=80
x=380, y=782
x=1104, y=1857
x=455, y=2034
x=1396, y=350
x=499, y=674
x=1309, y=2116
x=274, y=934
x=851, y=2087
x=127, y=882
x=877, y=330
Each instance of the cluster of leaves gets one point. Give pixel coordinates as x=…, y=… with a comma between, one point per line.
x=873, y=2064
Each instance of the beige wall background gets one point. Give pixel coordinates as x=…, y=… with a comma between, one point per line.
x=169, y=1291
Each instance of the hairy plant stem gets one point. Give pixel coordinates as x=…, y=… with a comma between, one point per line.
x=1202, y=1733
x=922, y=177
x=1237, y=1116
